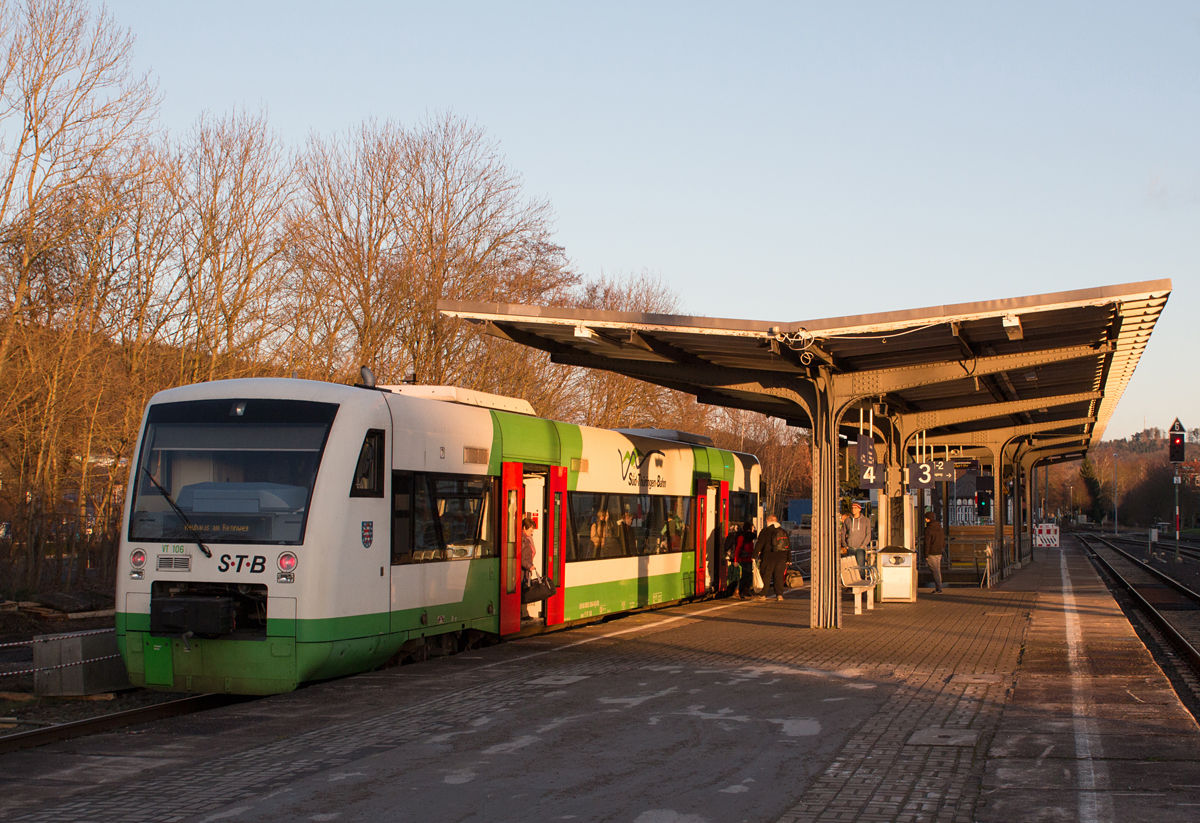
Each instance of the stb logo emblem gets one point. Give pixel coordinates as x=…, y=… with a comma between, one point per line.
x=368, y=533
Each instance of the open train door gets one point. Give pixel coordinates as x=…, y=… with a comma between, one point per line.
x=512, y=506
x=702, y=532
x=556, y=504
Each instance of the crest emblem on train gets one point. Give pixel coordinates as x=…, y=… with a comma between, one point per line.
x=368, y=533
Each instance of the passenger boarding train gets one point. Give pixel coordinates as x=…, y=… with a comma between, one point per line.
x=279, y=531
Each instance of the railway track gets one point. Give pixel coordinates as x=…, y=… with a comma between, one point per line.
x=1188, y=550
x=108, y=722
x=1172, y=607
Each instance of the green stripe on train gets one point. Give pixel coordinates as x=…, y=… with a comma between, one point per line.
x=266, y=666
x=295, y=651
x=517, y=438
x=713, y=464
x=598, y=599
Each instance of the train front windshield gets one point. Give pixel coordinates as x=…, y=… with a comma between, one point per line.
x=237, y=471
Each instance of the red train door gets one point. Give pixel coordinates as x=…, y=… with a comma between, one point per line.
x=556, y=505
x=512, y=506
x=722, y=579
x=701, y=533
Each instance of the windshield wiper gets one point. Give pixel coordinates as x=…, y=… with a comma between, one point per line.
x=186, y=523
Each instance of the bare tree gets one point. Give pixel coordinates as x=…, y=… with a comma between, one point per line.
x=783, y=452
x=69, y=100
x=609, y=400
x=63, y=363
x=231, y=180
x=469, y=233
x=349, y=275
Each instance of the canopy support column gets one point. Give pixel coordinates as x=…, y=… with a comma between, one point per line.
x=825, y=606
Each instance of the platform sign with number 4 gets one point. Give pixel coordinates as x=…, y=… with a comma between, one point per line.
x=872, y=476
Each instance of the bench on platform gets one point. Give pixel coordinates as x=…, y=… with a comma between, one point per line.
x=860, y=580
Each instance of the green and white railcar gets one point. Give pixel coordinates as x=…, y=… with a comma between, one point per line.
x=279, y=531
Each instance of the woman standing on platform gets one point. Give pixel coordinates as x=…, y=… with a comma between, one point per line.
x=528, y=551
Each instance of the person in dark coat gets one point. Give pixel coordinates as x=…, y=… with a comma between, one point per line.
x=626, y=536
x=772, y=549
x=935, y=544
x=743, y=555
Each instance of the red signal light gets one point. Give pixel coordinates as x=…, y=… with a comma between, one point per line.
x=1177, y=448
x=287, y=562
x=137, y=558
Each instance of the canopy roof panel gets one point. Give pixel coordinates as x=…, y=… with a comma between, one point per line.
x=1052, y=366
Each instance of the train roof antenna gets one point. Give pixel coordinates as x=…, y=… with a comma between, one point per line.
x=368, y=377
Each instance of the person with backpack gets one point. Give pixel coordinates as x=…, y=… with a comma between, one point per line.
x=743, y=555
x=773, y=548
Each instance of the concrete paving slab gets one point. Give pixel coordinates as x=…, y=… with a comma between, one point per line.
x=976, y=678
x=1028, y=744
x=1121, y=719
x=1042, y=689
x=938, y=736
x=1050, y=806
x=1119, y=775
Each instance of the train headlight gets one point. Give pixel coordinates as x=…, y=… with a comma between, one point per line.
x=137, y=558
x=287, y=562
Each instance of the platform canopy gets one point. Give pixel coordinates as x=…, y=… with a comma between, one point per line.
x=1042, y=374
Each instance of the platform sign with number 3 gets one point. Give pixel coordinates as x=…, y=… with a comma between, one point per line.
x=920, y=476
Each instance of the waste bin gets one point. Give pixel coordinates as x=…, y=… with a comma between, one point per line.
x=897, y=575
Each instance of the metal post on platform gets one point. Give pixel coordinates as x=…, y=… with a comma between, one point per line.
x=1176, y=514
x=1045, y=491
x=825, y=603
x=1116, y=527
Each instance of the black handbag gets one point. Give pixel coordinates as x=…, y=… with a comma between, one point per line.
x=537, y=588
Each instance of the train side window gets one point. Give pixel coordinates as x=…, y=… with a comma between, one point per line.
x=427, y=537
x=584, y=514
x=571, y=551
x=603, y=526
x=402, y=483
x=461, y=504
x=512, y=536
x=368, y=474
x=743, y=506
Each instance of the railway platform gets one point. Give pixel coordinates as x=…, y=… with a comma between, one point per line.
x=1034, y=700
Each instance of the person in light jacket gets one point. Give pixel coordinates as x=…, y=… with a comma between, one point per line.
x=856, y=534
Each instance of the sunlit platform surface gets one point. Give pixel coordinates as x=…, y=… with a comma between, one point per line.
x=1031, y=701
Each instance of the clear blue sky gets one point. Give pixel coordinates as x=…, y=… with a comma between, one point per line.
x=777, y=160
